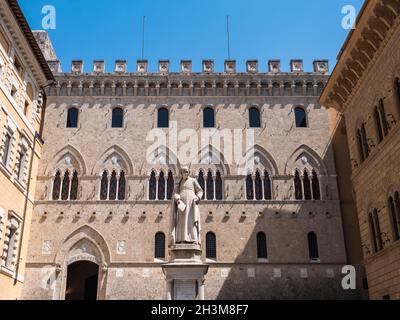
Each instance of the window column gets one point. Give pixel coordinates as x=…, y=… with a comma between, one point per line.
x=253, y=179
x=214, y=177
x=262, y=177
x=157, y=178
x=205, y=189
x=108, y=185
x=117, y=185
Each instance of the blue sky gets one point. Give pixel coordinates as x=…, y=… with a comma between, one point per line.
x=195, y=30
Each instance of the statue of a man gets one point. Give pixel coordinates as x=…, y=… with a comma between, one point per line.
x=185, y=213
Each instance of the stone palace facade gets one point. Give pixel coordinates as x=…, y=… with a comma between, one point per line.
x=100, y=227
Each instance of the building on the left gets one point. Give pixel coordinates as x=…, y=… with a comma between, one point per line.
x=23, y=75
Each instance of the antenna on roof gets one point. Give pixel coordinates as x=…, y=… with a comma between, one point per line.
x=143, y=25
x=228, y=36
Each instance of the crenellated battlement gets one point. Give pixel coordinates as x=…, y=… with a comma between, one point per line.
x=187, y=84
x=142, y=67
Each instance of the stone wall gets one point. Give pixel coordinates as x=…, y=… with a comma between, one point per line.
x=377, y=178
x=59, y=227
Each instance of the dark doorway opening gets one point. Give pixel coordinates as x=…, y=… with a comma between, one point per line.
x=82, y=279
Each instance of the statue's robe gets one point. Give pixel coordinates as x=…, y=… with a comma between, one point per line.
x=185, y=225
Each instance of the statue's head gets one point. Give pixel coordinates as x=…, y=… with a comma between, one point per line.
x=185, y=172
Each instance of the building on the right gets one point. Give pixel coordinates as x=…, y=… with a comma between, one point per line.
x=364, y=91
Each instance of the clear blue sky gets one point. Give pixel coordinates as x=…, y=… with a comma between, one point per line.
x=194, y=29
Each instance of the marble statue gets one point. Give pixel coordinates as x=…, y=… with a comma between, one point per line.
x=185, y=212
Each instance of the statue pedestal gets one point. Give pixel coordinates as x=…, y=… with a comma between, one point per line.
x=185, y=273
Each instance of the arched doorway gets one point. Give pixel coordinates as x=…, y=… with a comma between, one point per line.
x=82, y=281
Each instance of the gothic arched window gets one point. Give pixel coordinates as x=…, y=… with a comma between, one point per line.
x=117, y=118
x=254, y=118
x=372, y=232
x=74, y=187
x=249, y=187
x=378, y=230
x=163, y=118
x=258, y=186
x=262, y=252
x=121, y=186
x=200, y=180
x=104, y=186
x=170, y=185
x=382, y=112
x=72, y=118
x=375, y=230
x=397, y=208
x=364, y=140
x=394, y=219
x=210, y=186
x=360, y=146
x=161, y=186
x=397, y=91
x=56, y=185
x=298, y=191
x=315, y=186
x=301, y=119
x=378, y=126
x=65, y=186
x=306, y=186
x=267, y=186
x=218, y=186
x=208, y=118
x=113, y=186
x=152, y=186
x=159, y=246
x=211, y=246
x=313, y=246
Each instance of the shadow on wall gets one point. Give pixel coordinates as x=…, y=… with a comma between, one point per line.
x=280, y=277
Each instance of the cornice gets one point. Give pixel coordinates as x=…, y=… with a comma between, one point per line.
x=376, y=24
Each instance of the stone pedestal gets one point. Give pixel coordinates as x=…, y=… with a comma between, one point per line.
x=185, y=273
